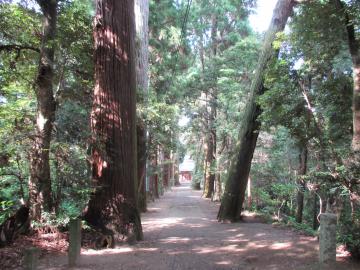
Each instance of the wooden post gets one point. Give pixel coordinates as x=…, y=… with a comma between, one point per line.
x=327, y=238
x=249, y=193
x=31, y=256
x=74, y=242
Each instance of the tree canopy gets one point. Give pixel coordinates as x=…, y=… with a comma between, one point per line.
x=272, y=119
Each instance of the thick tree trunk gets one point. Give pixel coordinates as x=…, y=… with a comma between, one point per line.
x=151, y=191
x=142, y=45
x=200, y=162
x=218, y=184
x=141, y=161
x=154, y=174
x=142, y=82
x=209, y=164
x=234, y=194
x=315, y=212
x=157, y=175
x=176, y=173
x=210, y=155
x=218, y=187
x=113, y=206
x=196, y=182
x=301, y=184
x=156, y=186
x=356, y=105
x=354, y=48
x=166, y=169
x=40, y=196
x=171, y=169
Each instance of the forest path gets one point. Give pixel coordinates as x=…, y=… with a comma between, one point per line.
x=181, y=232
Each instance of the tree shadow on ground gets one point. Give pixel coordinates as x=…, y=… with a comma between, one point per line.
x=181, y=232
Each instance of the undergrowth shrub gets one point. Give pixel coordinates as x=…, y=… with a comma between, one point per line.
x=349, y=234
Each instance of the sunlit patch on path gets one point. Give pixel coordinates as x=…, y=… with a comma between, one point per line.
x=181, y=232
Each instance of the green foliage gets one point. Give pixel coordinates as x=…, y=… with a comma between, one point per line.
x=349, y=234
x=51, y=221
x=197, y=178
x=307, y=103
x=6, y=209
x=21, y=25
x=219, y=81
x=281, y=153
x=301, y=227
x=272, y=199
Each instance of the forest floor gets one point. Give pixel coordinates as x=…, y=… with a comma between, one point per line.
x=181, y=232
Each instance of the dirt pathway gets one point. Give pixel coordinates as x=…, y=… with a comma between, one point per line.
x=181, y=232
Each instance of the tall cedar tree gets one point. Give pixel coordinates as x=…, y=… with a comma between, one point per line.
x=113, y=206
x=354, y=48
x=40, y=196
x=303, y=157
x=235, y=188
x=210, y=153
x=142, y=82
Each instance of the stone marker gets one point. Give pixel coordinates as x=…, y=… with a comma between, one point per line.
x=31, y=256
x=327, y=238
x=74, y=241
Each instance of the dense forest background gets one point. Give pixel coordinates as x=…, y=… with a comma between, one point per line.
x=292, y=92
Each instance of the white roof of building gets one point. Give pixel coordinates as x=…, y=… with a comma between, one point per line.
x=188, y=165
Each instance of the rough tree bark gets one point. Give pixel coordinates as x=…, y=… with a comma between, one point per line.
x=142, y=82
x=40, y=196
x=141, y=162
x=315, y=223
x=354, y=49
x=156, y=176
x=303, y=156
x=210, y=155
x=154, y=181
x=218, y=184
x=113, y=206
x=196, y=183
x=176, y=171
x=171, y=169
x=235, y=188
x=166, y=169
